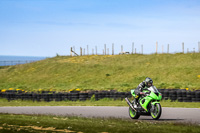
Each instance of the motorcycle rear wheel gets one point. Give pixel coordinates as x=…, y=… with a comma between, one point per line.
x=157, y=111
x=133, y=114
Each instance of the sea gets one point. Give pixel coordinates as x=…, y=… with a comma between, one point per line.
x=15, y=60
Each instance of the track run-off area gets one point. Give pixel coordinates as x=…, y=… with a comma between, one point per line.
x=186, y=115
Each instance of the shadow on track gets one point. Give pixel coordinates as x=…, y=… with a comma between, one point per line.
x=163, y=120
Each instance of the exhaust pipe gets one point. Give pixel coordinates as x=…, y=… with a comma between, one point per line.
x=129, y=103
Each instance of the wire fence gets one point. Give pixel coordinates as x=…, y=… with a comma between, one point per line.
x=104, y=51
x=132, y=50
x=9, y=63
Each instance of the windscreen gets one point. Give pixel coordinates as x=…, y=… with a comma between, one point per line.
x=153, y=88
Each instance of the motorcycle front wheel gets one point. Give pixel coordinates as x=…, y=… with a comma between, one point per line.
x=133, y=114
x=156, y=112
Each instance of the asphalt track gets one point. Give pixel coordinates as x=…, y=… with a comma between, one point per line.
x=188, y=115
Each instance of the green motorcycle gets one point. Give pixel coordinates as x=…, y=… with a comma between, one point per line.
x=148, y=104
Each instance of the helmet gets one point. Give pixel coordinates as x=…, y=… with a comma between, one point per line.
x=148, y=82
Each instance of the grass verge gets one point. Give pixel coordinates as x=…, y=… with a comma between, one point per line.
x=102, y=102
x=109, y=72
x=47, y=124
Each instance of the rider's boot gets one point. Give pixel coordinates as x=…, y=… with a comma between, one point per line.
x=135, y=103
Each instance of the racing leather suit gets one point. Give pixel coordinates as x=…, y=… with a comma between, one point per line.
x=138, y=90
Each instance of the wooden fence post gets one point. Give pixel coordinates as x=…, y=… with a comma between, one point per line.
x=141, y=49
x=107, y=51
x=105, y=48
x=168, y=49
x=183, y=47
x=199, y=46
x=113, y=49
x=87, y=50
x=74, y=48
x=71, y=51
x=135, y=50
x=96, y=49
x=80, y=51
x=132, y=47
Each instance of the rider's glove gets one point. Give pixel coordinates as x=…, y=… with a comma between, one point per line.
x=141, y=93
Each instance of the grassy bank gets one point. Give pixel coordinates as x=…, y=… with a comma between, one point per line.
x=120, y=72
x=102, y=102
x=49, y=124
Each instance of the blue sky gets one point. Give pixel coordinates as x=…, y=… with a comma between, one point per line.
x=47, y=27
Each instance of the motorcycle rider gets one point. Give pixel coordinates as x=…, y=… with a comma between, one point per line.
x=148, y=82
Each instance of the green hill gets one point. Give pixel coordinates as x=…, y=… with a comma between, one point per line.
x=121, y=72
